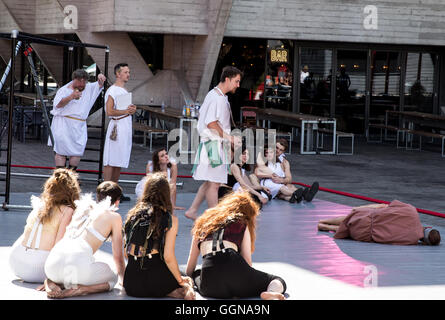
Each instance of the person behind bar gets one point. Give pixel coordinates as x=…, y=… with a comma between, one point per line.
x=225, y=237
x=394, y=223
x=118, y=140
x=45, y=225
x=214, y=126
x=71, y=107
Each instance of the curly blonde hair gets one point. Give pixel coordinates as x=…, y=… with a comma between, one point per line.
x=155, y=199
x=61, y=189
x=237, y=206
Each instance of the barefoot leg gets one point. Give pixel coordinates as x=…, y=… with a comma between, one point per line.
x=41, y=287
x=177, y=293
x=327, y=227
x=189, y=292
x=84, y=290
x=192, y=212
x=52, y=289
x=334, y=221
x=270, y=295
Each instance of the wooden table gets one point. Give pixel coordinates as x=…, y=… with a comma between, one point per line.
x=419, y=118
x=306, y=122
x=174, y=115
x=33, y=97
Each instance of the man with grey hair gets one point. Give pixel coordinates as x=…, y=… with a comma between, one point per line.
x=71, y=107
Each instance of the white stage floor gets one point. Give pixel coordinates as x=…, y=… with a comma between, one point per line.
x=313, y=264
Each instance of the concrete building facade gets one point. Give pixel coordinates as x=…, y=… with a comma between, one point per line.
x=379, y=44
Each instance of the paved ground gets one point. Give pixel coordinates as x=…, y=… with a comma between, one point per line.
x=313, y=264
x=375, y=170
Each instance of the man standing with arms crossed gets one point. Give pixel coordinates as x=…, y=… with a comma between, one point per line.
x=214, y=126
x=71, y=107
x=118, y=141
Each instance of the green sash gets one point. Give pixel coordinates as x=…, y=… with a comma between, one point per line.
x=212, y=148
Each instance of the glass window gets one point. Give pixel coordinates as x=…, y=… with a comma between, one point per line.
x=315, y=81
x=385, y=84
x=419, y=84
x=248, y=55
x=351, y=90
x=278, y=81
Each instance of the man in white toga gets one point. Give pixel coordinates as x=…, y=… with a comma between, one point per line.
x=118, y=140
x=71, y=107
x=214, y=126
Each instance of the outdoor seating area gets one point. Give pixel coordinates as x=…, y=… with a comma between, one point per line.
x=410, y=127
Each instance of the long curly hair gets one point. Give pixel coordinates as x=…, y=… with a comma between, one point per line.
x=236, y=206
x=155, y=160
x=61, y=189
x=155, y=199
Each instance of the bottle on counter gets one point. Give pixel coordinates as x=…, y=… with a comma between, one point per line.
x=197, y=106
x=184, y=112
x=163, y=106
x=187, y=111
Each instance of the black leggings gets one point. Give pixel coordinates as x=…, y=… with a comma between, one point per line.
x=154, y=280
x=227, y=275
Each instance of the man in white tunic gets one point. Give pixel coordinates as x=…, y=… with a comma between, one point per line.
x=71, y=107
x=118, y=140
x=214, y=126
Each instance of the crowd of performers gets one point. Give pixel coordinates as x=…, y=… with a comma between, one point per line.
x=66, y=228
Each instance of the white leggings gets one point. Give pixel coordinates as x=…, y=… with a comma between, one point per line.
x=28, y=264
x=71, y=262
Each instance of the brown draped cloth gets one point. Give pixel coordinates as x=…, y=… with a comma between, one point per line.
x=398, y=223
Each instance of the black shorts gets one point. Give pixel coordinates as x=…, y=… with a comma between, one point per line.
x=153, y=280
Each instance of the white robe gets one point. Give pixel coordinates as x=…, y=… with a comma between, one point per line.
x=117, y=152
x=268, y=183
x=70, y=135
x=214, y=108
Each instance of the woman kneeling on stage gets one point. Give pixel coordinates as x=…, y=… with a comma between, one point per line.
x=45, y=226
x=225, y=237
x=150, y=232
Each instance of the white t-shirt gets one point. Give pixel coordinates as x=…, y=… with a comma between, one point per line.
x=215, y=107
x=303, y=76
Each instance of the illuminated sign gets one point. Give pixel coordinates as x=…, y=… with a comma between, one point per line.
x=279, y=55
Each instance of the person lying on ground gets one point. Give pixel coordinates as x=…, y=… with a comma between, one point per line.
x=396, y=223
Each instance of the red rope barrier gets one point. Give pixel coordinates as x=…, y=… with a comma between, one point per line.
x=345, y=194
x=356, y=196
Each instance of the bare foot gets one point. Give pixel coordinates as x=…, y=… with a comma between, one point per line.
x=41, y=287
x=270, y=295
x=190, y=214
x=52, y=289
x=323, y=227
x=188, y=280
x=189, y=292
x=177, y=293
x=72, y=292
